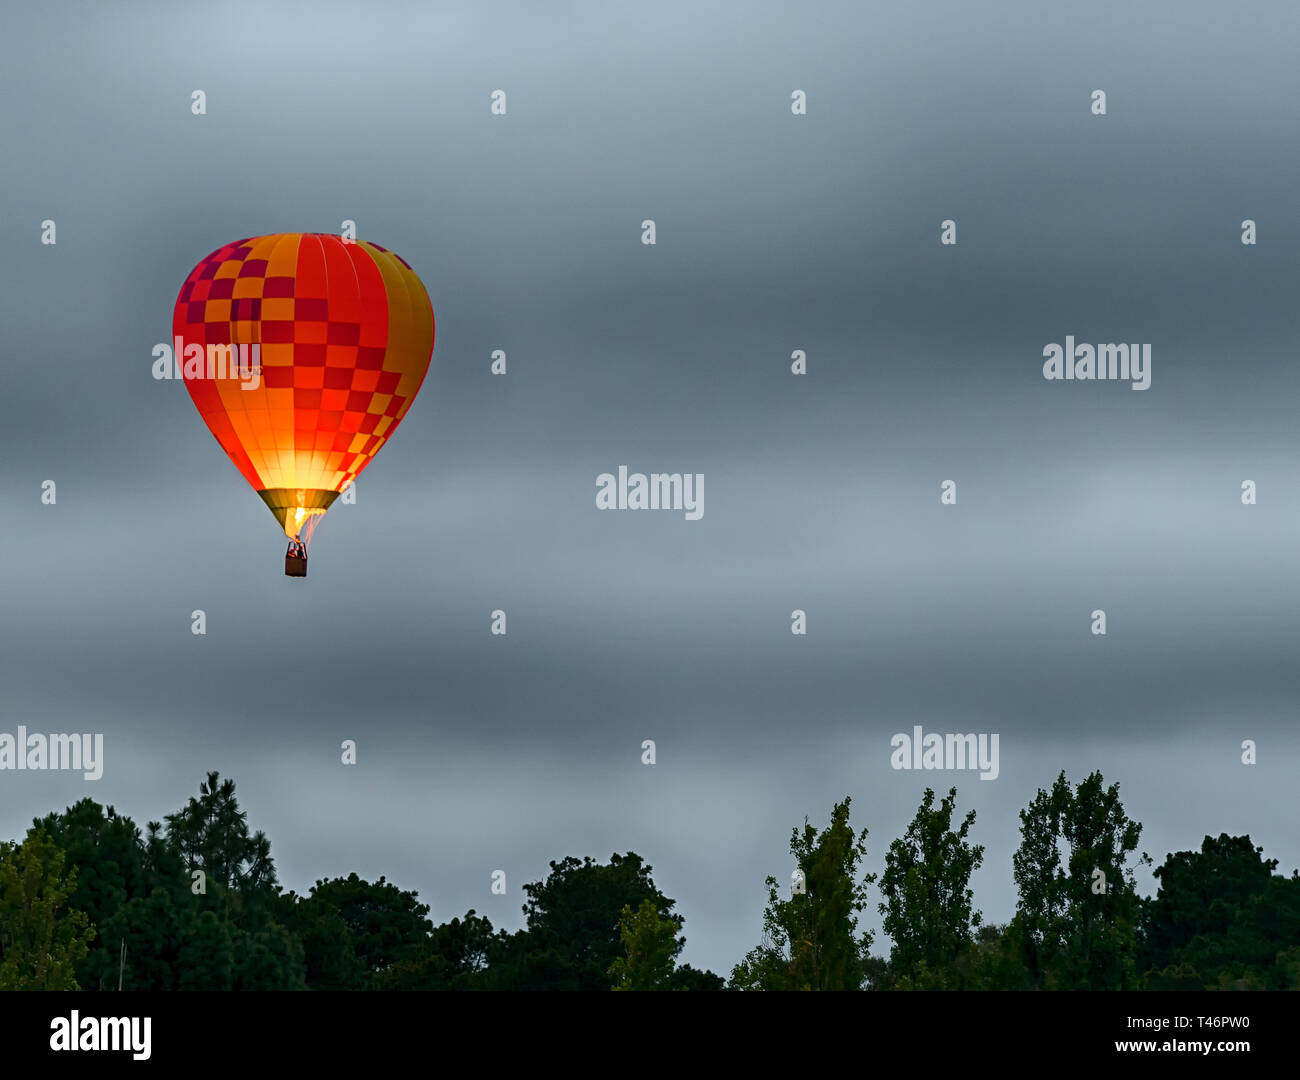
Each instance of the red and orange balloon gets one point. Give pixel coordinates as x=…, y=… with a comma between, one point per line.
x=344, y=330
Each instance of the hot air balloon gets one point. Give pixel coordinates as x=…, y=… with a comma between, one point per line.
x=302, y=353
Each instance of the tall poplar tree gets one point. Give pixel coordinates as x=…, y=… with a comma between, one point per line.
x=927, y=905
x=811, y=941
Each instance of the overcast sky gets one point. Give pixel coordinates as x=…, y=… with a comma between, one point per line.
x=774, y=233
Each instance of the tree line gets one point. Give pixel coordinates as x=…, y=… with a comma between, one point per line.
x=90, y=901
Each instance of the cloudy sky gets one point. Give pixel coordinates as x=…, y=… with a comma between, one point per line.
x=774, y=233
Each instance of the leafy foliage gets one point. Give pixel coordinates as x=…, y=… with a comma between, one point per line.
x=810, y=941
x=41, y=938
x=455, y=957
x=652, y=945
x=573, y=930
x=927, y=904
x=160, y=927
x=211, y=834
x=88, y=899
x=1072, y=935
x=1221, y=919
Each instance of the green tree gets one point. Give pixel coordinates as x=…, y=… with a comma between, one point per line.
x=1221, y=919
x=651, y=943
x=811, y=941
x=376, y=924
x=1076, y=919
x=572, y=935
x=686, y=977
x=205, y=952
x=211, y=834
x=993, y=962
x=109, y=858
x=227, y=933
x=330, y=959
x=927, y=904
x=42, y=938
x=1287, y=968
x=205, y=915
x=455, y=957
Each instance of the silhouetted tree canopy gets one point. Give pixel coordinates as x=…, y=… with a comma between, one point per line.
x=88, y=899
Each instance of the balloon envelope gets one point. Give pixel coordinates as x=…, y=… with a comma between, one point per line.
x=302, y=353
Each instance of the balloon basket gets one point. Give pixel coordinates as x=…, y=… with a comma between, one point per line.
x=294, y=567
